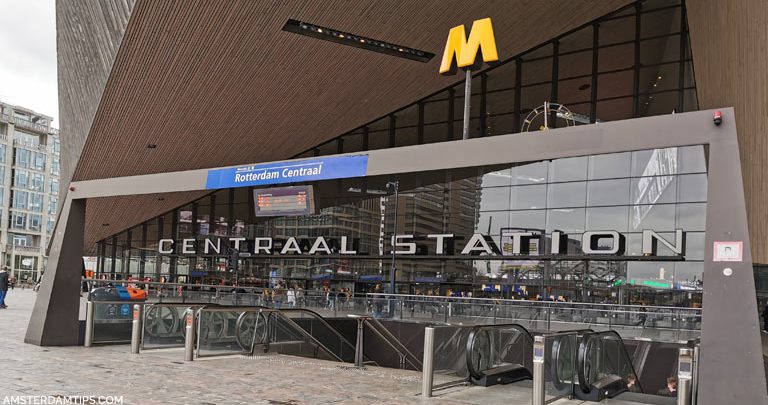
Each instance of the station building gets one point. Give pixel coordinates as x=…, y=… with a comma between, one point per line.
x=161, y=102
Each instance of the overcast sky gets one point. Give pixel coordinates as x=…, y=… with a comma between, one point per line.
x=28, y=55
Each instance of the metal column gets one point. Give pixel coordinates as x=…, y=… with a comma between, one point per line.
x=136, y=328
x=189, y=343
x=428, y=364
x=538, y=371
x=89, y=312
x=684, y=376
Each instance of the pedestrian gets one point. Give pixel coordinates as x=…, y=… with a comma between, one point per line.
x=671, y=389
x=632, y=383
x=12, y=281
x=278, y=294
x=643, y=315
x=378, y=302
x=292, y=297
x=3, y=287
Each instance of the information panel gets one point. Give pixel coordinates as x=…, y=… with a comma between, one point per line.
x=296, y=171
x=273, y=202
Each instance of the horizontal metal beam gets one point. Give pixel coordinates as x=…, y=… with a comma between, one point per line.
x=693, y=128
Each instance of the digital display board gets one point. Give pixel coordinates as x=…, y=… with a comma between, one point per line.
x=275, y=202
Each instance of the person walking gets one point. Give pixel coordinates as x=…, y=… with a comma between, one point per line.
x=3, y=287
x=278, y=294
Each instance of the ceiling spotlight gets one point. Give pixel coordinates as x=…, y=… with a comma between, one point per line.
x=151, y=146
x=357, y=41
x=105, y=224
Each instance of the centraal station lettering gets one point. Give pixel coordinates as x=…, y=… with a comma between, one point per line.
x=513, y=243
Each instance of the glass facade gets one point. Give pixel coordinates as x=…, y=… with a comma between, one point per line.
x=662, y=190
x=633, y=63
x=605, y=71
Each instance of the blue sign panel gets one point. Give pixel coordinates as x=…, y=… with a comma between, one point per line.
x=338, y=167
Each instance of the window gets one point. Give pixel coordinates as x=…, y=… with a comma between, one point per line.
x=56, y=146
x=55, y=168
x=21, y=178
x=20, y=116
x=18, y=220
x=51, y=225
x=54, y=187
x=2, y=174
x=35, y=222
x=38, y=182
x=53, y=204
x=39, y=163
x=2, y=153
x=20, y=199
x=22, y=240
x=35, y=202
x=25, y=138
x=23, y=158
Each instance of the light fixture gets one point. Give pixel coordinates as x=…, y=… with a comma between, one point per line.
x=151, y=146
x=358, y=41
x=105, y=224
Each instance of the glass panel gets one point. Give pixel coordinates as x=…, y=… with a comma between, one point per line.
x=608, y=192
x=568, y=169
x=567, y=194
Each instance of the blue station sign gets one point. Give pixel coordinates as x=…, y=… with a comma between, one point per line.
x=333, y=167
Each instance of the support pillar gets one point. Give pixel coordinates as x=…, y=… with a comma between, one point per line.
x=55, y=317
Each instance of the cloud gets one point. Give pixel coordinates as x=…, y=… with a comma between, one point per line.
x=28, y=55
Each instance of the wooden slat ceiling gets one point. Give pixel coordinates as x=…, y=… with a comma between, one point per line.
x=215, y=83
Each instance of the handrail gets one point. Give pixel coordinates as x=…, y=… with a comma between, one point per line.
x=470, y=344
x=272, y=312
x=582, y=354
x=532, y=303
x=393, y=342
x=323, y=321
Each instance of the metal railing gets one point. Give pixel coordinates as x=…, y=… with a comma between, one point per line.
x=630, y=321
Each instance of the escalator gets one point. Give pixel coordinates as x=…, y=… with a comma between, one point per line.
x=292, y=332
x=384, y=349
x=603, y=366
x=499, y=354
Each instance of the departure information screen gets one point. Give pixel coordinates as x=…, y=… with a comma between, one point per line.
x=275, y=202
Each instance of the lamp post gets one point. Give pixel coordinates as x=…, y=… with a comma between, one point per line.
x=392, y=270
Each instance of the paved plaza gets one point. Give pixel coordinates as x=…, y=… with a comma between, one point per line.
x=162, y=377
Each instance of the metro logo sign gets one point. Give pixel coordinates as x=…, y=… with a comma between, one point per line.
x=465, y=49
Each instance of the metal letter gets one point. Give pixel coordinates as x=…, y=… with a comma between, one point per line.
x=320, y=244
x=410, y=245
x=216, y=247
x=650, y=239
x=344, y=250
x=440, y=241
x=617, y=246
x=187, y=246
x=258, y=248
x=471, y=246
x=291, y=246
x=162, y=243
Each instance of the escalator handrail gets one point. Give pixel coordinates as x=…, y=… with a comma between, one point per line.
x=323, y=321
x=301, y=330
x=471, y=367
x=393, y=342
x=582, y=355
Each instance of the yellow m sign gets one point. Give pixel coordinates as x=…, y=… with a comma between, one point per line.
x=480, y=39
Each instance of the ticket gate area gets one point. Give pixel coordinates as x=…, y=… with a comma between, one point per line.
x=581, y=364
